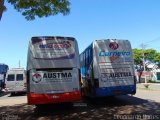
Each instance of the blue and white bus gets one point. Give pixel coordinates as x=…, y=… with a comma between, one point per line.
x=107, y=68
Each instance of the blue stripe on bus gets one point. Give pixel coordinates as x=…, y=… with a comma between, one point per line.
x=111, y=91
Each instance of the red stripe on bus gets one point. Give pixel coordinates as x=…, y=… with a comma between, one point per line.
x=53, y=98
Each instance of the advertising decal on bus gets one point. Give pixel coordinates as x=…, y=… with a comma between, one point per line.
x=65, y=76
x=61, y=49
x=36, y=78
x=114, y=55
x=121, y=72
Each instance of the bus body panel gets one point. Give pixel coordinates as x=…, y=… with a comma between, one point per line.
x=3, y=71
x=1, y=81
x=34, y=99
x=115, y=65
x=54, y=81
x=116, y=90
x=58, y=52
x=15, y=80
x=112, y=70
x=53, y=70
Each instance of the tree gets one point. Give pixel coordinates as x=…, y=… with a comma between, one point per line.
x=1, y=8
x=150, y=55
x=137, y=55
x=38, y=8
x=157, y=59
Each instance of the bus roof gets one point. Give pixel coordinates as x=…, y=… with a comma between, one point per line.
x=17, y=69
x=111, y=40
x=41, y=38
x=102, y=40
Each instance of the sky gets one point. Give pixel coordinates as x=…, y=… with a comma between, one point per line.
x=135, y=20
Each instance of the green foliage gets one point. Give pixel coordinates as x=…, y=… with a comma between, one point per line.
x=157, y=59
x=4, y=8
x=137, y=54
x=146, y=85
x=150, y=54
x=41, y=8
x=151, y=81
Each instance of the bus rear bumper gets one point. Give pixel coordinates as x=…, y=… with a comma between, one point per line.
x=113, y=91
x=34, y=99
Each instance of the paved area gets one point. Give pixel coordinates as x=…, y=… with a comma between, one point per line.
x=8, y=100
x=152, y=86
x=145, y=102
x=148, y=94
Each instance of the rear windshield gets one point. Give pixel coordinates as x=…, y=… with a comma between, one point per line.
x=11, y=77
x=19, y=77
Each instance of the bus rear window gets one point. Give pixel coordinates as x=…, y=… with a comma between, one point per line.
x=19, y=77
x=11, y=77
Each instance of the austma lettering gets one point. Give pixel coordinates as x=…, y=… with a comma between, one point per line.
x=119, y=74
x=57, y=75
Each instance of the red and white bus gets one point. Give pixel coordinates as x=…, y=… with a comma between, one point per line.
x=53, y=70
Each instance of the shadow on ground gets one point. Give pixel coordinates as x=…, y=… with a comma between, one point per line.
x=88, y=109
x=17, y=94
x=3, y=94
x=12, y=95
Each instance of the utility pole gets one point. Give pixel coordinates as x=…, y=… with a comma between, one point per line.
x=143, y=48
x=19, y=63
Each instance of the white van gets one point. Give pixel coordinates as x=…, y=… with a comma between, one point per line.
x=15, y=80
